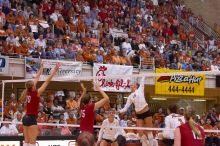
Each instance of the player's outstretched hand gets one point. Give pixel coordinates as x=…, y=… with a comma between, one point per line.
x=83, y=87
x=97, y=87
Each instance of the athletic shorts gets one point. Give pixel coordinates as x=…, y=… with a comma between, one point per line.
x=29, y=120
x=108, y=141
x=144, y=115
x=168, y=142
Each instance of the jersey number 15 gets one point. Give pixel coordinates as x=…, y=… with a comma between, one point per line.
x=82, y=113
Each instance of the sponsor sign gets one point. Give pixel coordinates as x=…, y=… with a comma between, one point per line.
x=67, y=70
x=4, y=65
x=9, y=143
x=42, y=143
x=179, y=84
x=120, y=84
x=56, y=143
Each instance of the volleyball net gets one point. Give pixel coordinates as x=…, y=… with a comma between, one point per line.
x=165, y=87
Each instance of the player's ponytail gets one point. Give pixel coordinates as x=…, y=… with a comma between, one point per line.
x=28, y=87
x=23, y=95
x=194, y=128
x=189, y=115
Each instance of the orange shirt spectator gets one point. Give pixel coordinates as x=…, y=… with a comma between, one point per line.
x=208, y=126
x=71, y=120
x=10, y=48
x=94, y=41
x=60, y=23
x=116, y=59
x=33, y=20
x=191, y=35
x=79, y=57
x=99, y=119
x=9, y=30
x=183, y=36
x=24, y=48
x=88, y=56
x=72, y=27
x=108, y=58
x=20, y=31
x=81, y=26
x=20, y=19
x=71, y=104
x=156, y=25
x=10, y=18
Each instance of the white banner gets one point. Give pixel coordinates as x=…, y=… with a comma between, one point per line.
x=67, y=70
x=117, y=84
x=4, y=64
x=9, y=143
x=42, y=143
x=56, y=143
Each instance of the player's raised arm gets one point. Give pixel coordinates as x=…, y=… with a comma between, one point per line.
x=104, y=100
x=39, y=73
x=83, y=94
x=45, y=84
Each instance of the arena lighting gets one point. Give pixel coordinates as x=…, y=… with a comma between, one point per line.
x=156, y=98
x=199, y=100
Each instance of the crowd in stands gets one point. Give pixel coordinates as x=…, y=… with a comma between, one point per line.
x=104, y=31
x=60, y=108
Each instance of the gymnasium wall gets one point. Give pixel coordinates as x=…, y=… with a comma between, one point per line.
x=208, y=9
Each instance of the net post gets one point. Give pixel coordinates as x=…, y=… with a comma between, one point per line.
x=3, y=93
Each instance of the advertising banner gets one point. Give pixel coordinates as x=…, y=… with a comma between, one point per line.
x=193, y=85
x=67, y=70
x=9, y=143
x=4, y=64
x=56, y=143
x=121, y=84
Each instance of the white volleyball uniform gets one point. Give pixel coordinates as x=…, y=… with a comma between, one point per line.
x=137, y=98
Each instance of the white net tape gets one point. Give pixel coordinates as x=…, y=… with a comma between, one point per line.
x=118, y=127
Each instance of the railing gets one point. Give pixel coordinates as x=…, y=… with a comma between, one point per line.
x=205, y=28
x=200, y=38
x=147, y=63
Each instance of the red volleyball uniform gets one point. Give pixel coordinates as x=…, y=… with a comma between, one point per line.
x=188, y=138
x=87, y=115
x=32, y=103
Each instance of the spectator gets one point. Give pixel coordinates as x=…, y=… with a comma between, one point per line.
x=56, y=109
x=64, y=129
x=2, y=17
x=71, y=120
x=60, y=96
x=124, y=121
x=212, y=116
x=20, y=110
x=99, y=57
x=159, y=117
x=71, y=103
x=8, y=129
x=16, y=119
x=40, y=42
